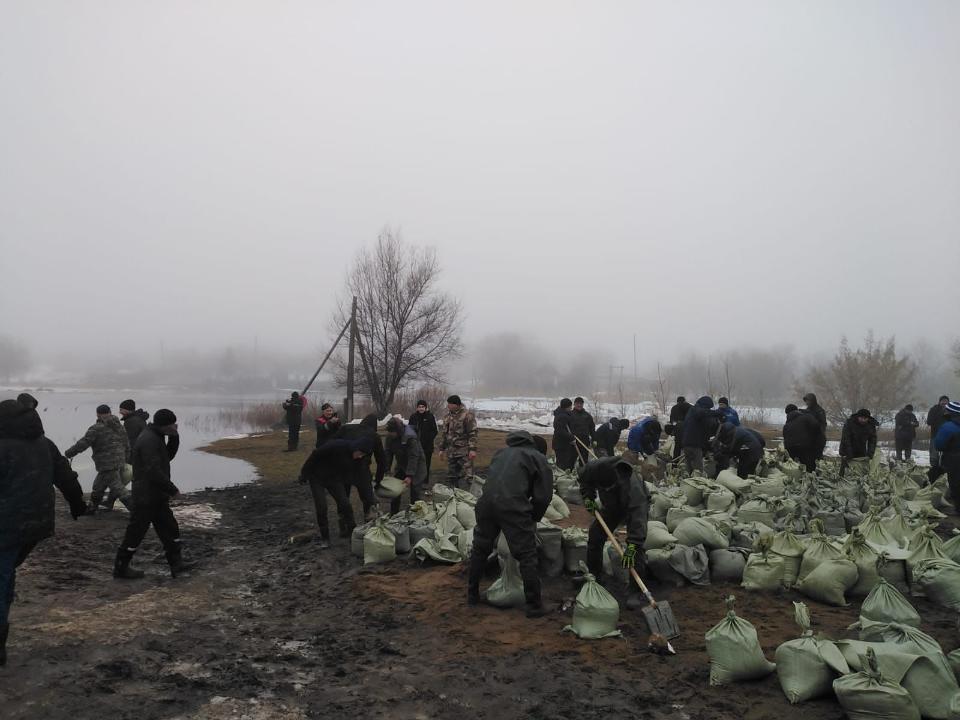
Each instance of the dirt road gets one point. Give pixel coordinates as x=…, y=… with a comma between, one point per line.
x=269, y=629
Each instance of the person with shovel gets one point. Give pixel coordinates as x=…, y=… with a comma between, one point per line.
x=610, y=487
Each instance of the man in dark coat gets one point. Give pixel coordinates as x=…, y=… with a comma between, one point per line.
x=517, y=493
x=405, y=456
x=698, y=427
x=817, y=411
x=947, y=443
x=424, y=423
x=608, y=435
x=801, y=437
x=622, y=499
x=858, y=439
x=327, y=424
x=935, y=418
x=134, y=420
x=678, y=413
x=905, y=426
x=329, y=469
x=362, y=478
x=742, y=444
x=26, y=499
x=294, y=416
x=153, y=490
x=583, y=428
x=564, y=444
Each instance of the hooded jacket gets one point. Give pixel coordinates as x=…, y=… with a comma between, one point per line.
x=700, y=423
x=26, y=478
x=425, y=425
x=729, y=415
x=858, y=440
x=817, y=411
x=740, y=442
x=622, y=494
x=947, y=440
x=109, y=443
x=406, y=451
x=134, y=424
x=562, y=437
x=608, y=434
x=371, y=445
x=519, y=480
x=905, y=426
x=801, y=431
x=151, y=458
x=644, y=437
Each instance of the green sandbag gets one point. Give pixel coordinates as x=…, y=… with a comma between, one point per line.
x=126, y=474
x=699, y=531
x=906, y=638
x=819, y=550
x=390, y=488
x=734, y=650
x=886, y=604
x=791, y=549
x=439, y=548
x=596, y=612
x=660, y=567
x=807, y=666
x=771, y=486
x=875, y=532
x=858, y=551
x=830, y=582
x=677, y=514
x=727, y=565
x=925, y=546
x=507, y=590
x=954, y=660
x=693, y=491
x=939, y=580
x=756, y=510
x=557, y=510
x=720, y=500
x=574, y=542
x=733, y=482
x=379, y=544
x=951, y=548
x=658, y=536
x=898, y=528
x=763, y=572
x=466, y=515
x=663, y=500
x=867, y=696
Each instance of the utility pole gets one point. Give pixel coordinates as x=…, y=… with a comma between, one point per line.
x=351, y=360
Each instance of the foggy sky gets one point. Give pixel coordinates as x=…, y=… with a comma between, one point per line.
x=704, y=174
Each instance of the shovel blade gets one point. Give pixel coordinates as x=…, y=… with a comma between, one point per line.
x=661, y=621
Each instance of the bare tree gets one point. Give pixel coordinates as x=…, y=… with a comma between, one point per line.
x=407, y=329
x=872, y=376
x=662, y=390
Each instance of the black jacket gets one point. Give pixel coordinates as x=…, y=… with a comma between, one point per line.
x=294, y=411
x=367, y=428
x=858, y=440
x=608, y=435
x=935, y=418
x=26, y=478
x=331, y=462
x=425, y=425
x=622, y=495
x=151, y=466
x=700, y=424
x=905, y=426
x=740, y=442
x=678, y=413
x=583, y=426
x=801, y=431
x=66, y=481
x=135, y=423
x=562, y=436
x=519, y=479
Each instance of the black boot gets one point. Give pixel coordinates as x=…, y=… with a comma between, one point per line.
x=478, y=562
x=179, y=566
x=4, y=632
x=121, y=566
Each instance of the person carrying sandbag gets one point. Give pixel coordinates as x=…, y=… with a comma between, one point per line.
x=405, y=455
x=518, y=490
x=622, y=499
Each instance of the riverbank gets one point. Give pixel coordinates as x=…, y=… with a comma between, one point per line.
x=265, y=629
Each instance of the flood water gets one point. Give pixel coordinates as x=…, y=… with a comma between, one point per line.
x=67, y=414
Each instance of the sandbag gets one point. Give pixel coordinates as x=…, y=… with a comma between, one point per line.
x=830, y=582
x=507, y=590
x=441, y=493
x=858, y=551
x=819, y=550
x=658, y=564
x=692, y=563
x=379, y=544
x=465, y=543
x=126, y=474
x=356, y=538
x=757, y=510
x=658, y=536
x=833, y=522
x=763, y=571
x=557, y=510
x=549, y=549
x=865, y=695
x=677, y=514
x=734, y=483
x=734, y=650
x=477, y=484
x=727, y=565
x=771, y=486
x=466, y=515
x=421, y=530
x=693, y=491
x=807, y=666
x=447, y=523
x=925, y=546
x=574, y=542
x=747, y=535
x=439, y=548
x=951, y=548
x=885, y=604
x=720, y=500
x=663, y=500
x=899, y=529
x=875, y=532
x=401, y=531
x=905, y=638
x=595, y=612
x=789, y=547
x=699, y=531
x=390, y=488
x=939, y=579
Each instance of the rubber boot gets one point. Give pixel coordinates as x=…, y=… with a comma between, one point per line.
x=179, y=566
x=535, y=608
x=121, y=566
x=477, y=564
x=4, y=632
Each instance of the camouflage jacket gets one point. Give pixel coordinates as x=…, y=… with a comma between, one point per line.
x=109, y=442
x=458, y=436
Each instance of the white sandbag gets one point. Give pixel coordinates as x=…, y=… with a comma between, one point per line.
x=390, y=488
x=733, y=482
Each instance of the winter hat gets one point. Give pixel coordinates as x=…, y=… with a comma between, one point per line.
x=723, y=401
x=454, y=400
x=103, y=409
x=164, y=417
x=862, y=412
x=128, y=405
x=27, y=400
x=422, y=403
x=706, y=402
x=908, y=408
x=681, y=398
x=565, y=403
x=294, y=394
x=953, y=408
x=790, y=408
x=578, y=400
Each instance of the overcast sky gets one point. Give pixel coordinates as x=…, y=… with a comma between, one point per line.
x=704, y=174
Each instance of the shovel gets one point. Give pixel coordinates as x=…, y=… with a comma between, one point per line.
x=659, y=616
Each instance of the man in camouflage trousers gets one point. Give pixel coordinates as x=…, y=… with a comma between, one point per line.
x=458, y=442
x=111, y=448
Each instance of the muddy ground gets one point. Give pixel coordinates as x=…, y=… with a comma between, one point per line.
x=269, y=629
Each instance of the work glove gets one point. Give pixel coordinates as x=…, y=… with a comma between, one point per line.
x=629, y=558
x=591, y=505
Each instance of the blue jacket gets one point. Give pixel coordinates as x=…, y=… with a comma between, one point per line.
x=730, y=416
x=644, y=437
x=947, y=439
